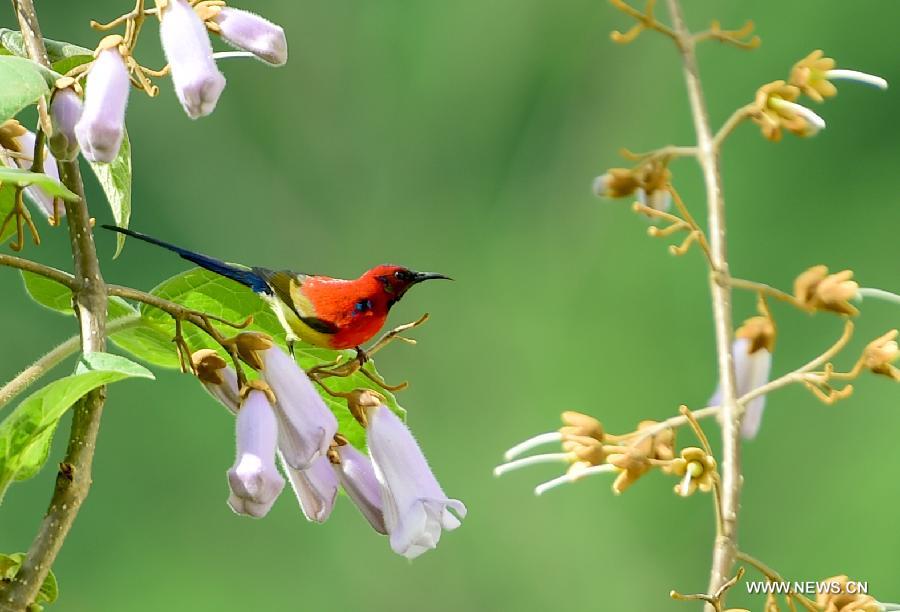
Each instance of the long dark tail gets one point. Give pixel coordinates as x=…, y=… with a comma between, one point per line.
x=244, y=276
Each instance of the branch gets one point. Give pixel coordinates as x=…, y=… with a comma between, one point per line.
x=63, y=278
x=73, y=481
x=726, y=541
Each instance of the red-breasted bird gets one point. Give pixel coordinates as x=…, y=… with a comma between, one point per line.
x=326, y=312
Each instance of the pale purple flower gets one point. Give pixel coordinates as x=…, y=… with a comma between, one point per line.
x=751, y=371
x=41, y=198
x=198, y=82
x=250, y=32
x=316, y=488
x=227, y=391
x=416, y=509
x=65, y=111
x=306, y=426
x=357, y=476
x=102, y=124
x=254, y=480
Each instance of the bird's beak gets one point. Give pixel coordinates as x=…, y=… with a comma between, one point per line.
x=424, y=276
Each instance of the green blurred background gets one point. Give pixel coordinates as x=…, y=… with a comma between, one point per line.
x=463, y=137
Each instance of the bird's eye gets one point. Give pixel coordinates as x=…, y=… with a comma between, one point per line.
x=362, y=306
x=401, y=275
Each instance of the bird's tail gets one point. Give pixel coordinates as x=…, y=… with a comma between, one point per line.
x=244, y=276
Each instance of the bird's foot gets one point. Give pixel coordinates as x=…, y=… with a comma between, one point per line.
x=361, y=356
x=290, y=346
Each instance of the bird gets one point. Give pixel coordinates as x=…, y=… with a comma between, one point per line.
x=332, y=313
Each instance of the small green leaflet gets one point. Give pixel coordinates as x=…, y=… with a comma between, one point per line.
x=63, y=56
x=22, y=82
x=25, y=434
x=115, y=180
x=49, y=591
x=26, y=178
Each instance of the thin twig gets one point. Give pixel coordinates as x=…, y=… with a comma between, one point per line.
x=726, y=543
x=774, y=576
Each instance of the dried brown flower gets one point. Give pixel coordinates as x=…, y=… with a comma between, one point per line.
x=879, y=355
x=816, y=289
x=759, y=331
x=809, y=75
x=208, y=365
x=10, y=130
x=696, y=469
x=631, y=464
x=248, y=343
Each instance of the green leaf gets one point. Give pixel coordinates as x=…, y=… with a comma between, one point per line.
x=24, y=178
x=7, y=201
x=12, y=42
x=49, y=591
x=50, y=294
x=210, y=293
x=22, y=82
x=115, y=179
x=26, y=433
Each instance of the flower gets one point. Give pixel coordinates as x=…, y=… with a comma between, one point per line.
x=250, y=32
x=357, y=476
x=777, y=110
x=255, y=482
x=102, y=124
x=752, y=349
x=416, y=510
x=65, y=111
x=316, y=487
x=696, y=469
x=219, y=379
x=816, y=289
x=17, y=139
x=306, y=426
x=648, y=182
x=880, y=354
x=814, y=73
x=844, y=599
x=198, y=82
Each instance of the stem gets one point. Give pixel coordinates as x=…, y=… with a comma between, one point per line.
x=726, y=539
x=46, y=363
x=63, y=278
x=73, y=481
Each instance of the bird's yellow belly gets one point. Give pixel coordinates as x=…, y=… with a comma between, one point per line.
x=297, y=329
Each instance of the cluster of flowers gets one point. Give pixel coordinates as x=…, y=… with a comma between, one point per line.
x=97, y=126
x=281, y=414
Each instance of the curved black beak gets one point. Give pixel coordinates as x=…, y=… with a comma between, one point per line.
x=418, y=277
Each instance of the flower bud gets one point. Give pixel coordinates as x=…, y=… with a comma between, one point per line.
x=306, y=425
x=250, y=32
x=358, y=478
x=816, y=289
x=198, y=82
x=316, y=488
x=220, y=380
x=416, y=509
x=880, y=354
x=65, y=111
x=38, y=196
x=254, y=480
x=102, y=124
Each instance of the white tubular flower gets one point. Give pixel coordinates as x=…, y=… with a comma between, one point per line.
x=751, y=371
x=41, y=198
x=65, y=111
x=250, y=32
x=839, y=74
x=660, y=199
x=316, y=488
x=416, y=509
x=306, y=425
x=357, y=476
x=102, y=124
x=198, y=82
x=811, y=123
x=254, y=480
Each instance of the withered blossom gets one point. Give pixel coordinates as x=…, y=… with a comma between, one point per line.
x=816, y=289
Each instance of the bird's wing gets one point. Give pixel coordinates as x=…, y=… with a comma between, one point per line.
x=285, y=286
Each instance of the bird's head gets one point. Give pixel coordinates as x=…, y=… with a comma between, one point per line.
x=394, y=281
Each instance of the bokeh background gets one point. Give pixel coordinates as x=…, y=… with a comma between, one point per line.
x=463, y=137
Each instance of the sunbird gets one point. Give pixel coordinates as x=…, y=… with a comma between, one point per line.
x=326, y=312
